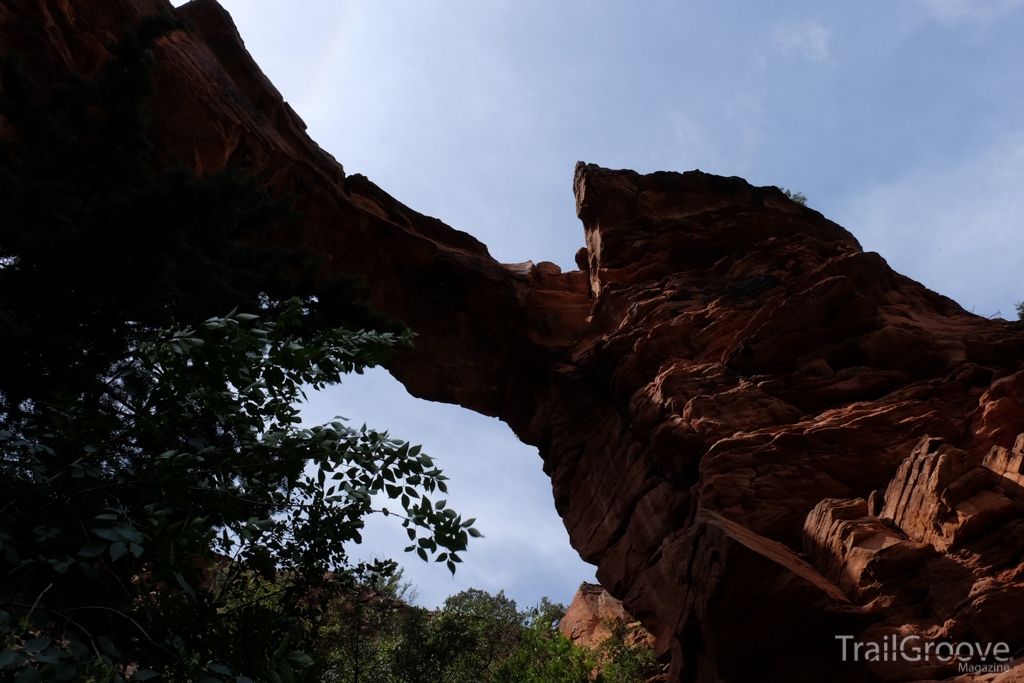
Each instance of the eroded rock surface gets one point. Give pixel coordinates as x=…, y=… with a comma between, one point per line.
x=762, y=436
x=590, y=617
x=594, y=617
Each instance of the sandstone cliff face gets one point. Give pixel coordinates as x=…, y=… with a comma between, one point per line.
x=587, y=620
x=762, y=436
x=594, y=617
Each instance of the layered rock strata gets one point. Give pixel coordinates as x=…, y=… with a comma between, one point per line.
x=771, y=445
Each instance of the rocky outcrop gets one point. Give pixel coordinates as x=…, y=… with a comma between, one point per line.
x=856, y=550
x=589, y=620
x=936, y=504
x=780, y=454
x=597, y=621
x=938, y=498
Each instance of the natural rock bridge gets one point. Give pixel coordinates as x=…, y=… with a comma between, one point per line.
x=762, y=436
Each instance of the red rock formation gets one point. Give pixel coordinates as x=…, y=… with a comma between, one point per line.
x=594, y=616
x=762, y=436
x=586, y=622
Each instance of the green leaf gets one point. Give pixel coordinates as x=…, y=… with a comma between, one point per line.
x=117, y=550
x=29, y=675
x=10, y=659
x=108, y=534
x=36, y=645
x=300, y=660
x=279, y=652
x=130, y=533
x=109, y=648
x=64, y=671
x=184, y=585
x=78, y=648
x=51, y=656
x=144, y=675
x=219, y=669
x=93, y=549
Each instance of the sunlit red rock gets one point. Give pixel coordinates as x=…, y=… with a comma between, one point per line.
x=591, y=616
x=744, y=416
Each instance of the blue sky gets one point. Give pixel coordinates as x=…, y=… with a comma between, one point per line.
x=902, y=120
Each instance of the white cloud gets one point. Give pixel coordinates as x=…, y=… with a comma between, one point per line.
x=807, y=38
x=956, y=228
x=961, y=11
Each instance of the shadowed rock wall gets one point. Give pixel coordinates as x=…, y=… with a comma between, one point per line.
x=762, y=436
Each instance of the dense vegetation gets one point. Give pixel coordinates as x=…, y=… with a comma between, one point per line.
x=368, y=636
x=155, y=485
x=162, y=514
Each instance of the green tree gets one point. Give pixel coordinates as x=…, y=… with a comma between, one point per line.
x=544, y=655
x=131, y=526
x=625, y=657
x=161, y=510
x=475, y=637
x=797, y=197
x=355, y=636
x=100, y=245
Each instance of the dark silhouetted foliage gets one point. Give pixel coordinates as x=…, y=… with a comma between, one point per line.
x=99, y=247
x=162, y=511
